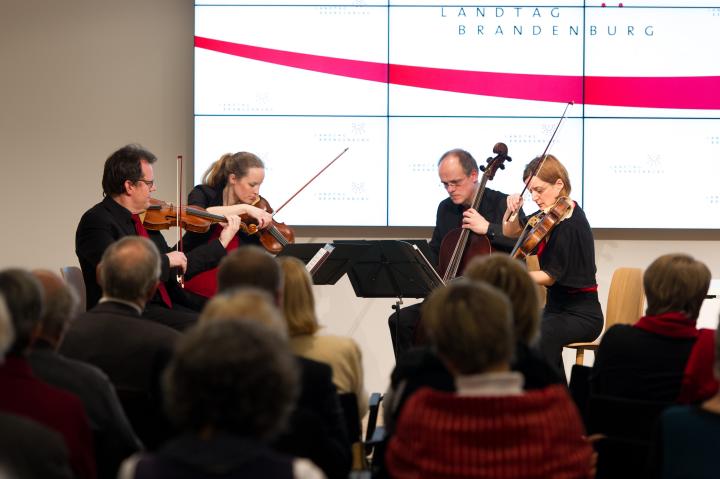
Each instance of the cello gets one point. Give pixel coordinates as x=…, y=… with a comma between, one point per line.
x=460, y=245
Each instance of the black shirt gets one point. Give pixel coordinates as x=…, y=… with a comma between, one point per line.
x=492, y=208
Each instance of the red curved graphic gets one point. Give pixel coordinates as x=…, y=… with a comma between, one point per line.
x=701, y=93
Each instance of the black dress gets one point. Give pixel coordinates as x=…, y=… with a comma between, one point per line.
x=572, y=311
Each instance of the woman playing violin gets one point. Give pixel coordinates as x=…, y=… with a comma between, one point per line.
x=230, y=187
x=566, y=254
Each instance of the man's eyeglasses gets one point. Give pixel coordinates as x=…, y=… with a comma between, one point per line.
x=453, y=183
x=149, y=183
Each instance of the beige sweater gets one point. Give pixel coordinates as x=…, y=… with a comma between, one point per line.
x=344, y=357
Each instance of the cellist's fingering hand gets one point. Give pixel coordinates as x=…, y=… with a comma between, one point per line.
x=230, y=229
x=475, y=222
x=177, y=260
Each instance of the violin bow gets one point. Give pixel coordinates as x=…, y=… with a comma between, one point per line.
x=179, y=244
x=544, y=157
x=311, y=180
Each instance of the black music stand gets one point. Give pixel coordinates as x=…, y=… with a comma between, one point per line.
x=393, y=269
x=334, y=266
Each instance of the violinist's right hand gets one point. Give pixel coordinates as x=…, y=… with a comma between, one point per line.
x=514, y=203
x=178, y=260
x=230, y=229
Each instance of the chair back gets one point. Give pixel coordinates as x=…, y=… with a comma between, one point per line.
x=626, y=298
x=627, y=426
x=73, y=276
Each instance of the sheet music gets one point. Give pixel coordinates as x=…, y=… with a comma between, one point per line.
x=320, y=257
x=428, y=265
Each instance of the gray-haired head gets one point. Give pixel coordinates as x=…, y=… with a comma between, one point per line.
x=232, y=376
x=24, y=300
x=60, y=305
x=130, y=269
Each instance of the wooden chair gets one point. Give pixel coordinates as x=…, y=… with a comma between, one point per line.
x=626, y=300
x=73, y=276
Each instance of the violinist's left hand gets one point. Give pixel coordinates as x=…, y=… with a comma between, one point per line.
x=475, y=222
x=263, y=218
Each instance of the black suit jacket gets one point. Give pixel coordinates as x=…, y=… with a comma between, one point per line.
x=114, y=438
x=30, y=450
x=133, y=352
x=107, y=222
x=317, y=428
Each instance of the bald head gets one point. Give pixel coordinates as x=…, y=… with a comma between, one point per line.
x=130, y=269
x=60, y=306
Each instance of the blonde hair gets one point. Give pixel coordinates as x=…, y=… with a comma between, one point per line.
x=236, y=164
x=298, y=299
x=511, y=277
x=551, y=171
x=245, y=304
x=676, y=282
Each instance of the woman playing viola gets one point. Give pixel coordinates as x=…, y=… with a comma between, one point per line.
x=572, y=311
x=230, y=187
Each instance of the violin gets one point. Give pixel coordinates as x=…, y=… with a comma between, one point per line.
x=161, y=216
x=459, y=246
x=276, y=236
x=541, y=226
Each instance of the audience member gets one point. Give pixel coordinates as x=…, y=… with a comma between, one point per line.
x=421, y=366
x=688, y=437
x=514, y=433
x=317, y=430
x=25, y=395
x=341, y=353
x=113, y=335
x=27, y=449
x=230, y=388
x=113, y=436
x=663, y=356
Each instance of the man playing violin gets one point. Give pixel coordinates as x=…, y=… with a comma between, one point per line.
x=128, y=182
x=566, y=254
x=459, y=175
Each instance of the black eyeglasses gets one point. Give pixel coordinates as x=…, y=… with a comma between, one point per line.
x=149, y=183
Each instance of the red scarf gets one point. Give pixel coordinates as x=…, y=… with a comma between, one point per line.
x=699, y=382
x=141, y=231
x=205, y=283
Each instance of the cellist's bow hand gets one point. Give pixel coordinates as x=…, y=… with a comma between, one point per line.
x=514, y=203
x=475, y=222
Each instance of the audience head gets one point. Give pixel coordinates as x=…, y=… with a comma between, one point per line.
x=124, y=165
x=24, y=300
x=510, y=277
x=130, y=270
x=250, y=266
x=298, y=299
x=676, y=282
x=232, y=376
x=245, y=304
x=59, y=307
x=7, y=335
x=469, y=323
